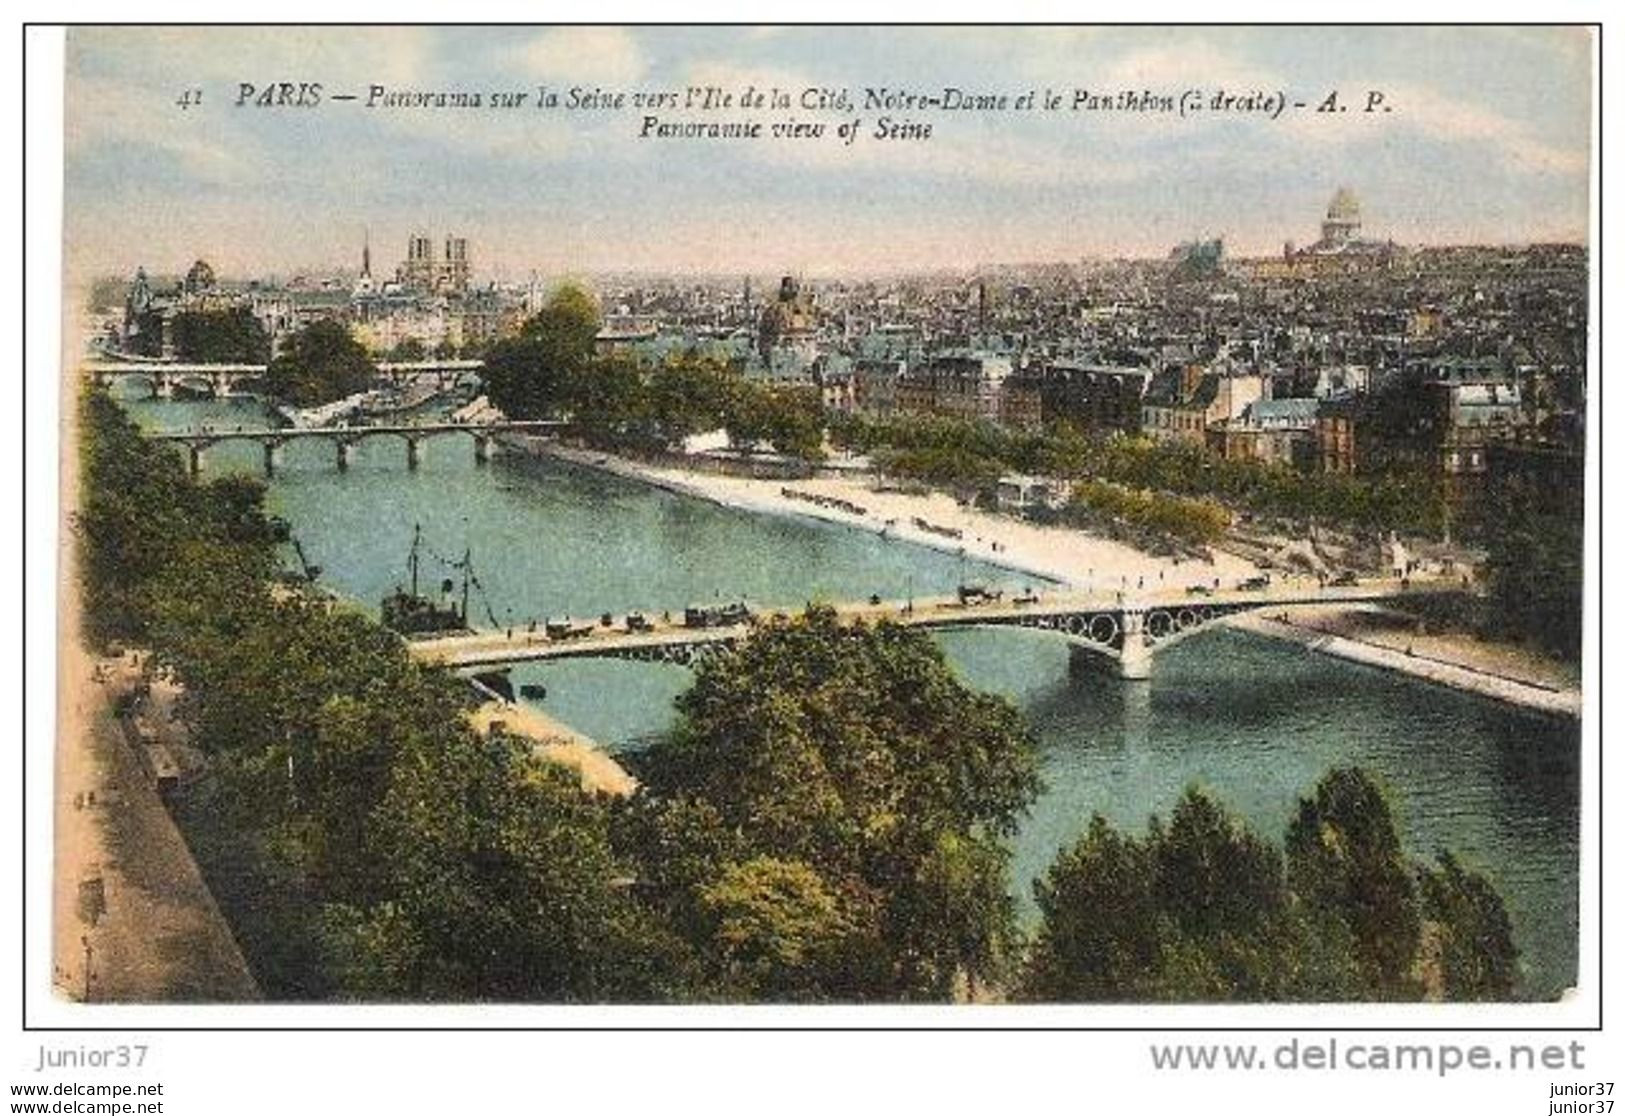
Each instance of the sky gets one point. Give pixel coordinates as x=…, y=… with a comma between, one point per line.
x=1488, y=141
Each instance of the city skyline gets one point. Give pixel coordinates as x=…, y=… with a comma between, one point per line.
x=1489, y=144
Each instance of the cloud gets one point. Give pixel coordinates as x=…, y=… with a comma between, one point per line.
x=597, y=55
x=1521, y=148
x=1193, y=64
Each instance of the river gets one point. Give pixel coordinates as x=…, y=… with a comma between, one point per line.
x=1255, y=721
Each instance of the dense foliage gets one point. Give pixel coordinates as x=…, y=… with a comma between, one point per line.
x=1144, y=517
x=319, y=364
x=147, y=531
x=551, y=371
x=1535, y=556
x=828, y=820
x=1202, y=909
x=220, y=336
x=366, y=841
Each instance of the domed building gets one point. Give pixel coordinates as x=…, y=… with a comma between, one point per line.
x=1341, y=247
x=199, y=279
x=1342, y=223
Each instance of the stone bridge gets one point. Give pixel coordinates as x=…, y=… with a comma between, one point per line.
x=345, y=437
x=220, y=380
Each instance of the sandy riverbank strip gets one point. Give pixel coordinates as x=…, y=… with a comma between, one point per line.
x=1064, y=555
x=1352, y=633
x=560, y=743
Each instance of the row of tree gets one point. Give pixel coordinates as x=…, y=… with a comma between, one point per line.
x=231, y=336
x=1535, y=557
x=971, y=456
x=1201, y=908
x=829, y=820
x=1144, y=517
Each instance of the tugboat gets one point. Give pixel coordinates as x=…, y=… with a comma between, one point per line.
x=410, y=613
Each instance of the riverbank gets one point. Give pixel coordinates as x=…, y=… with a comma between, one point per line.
x=558, y=742
x=1366, y=635
x=1062, y=555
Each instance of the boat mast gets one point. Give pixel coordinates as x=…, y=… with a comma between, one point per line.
x=412, y=559
x=468, y=572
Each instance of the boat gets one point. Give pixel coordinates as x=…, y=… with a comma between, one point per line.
x=535, y=691
x=409, y=613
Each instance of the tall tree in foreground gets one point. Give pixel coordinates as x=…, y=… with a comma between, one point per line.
x=1345, y=861
x=1468, y=953
x=1203, y=910
x=853, y=799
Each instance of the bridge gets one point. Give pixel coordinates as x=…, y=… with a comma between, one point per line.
x=1123, y=630
x=219, y=380
x=344, y=437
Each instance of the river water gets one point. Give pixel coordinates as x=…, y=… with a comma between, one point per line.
x=1255, y=721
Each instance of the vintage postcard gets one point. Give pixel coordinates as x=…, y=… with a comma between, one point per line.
x=853, y=516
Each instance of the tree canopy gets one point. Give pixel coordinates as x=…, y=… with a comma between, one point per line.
x=220, y=336
x=319, y=364
x=836, y=788
x=1202, y=909
x=538, y=373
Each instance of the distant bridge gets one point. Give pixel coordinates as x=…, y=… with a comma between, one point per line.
x=344, y=437
x=1123, y=629
x=219, y=380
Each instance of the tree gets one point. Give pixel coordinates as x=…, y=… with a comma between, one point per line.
x=1535, y=558
x=1099, y=939
x=142, y=524
x=538, y=374
x=502, y=886
x=1344, y=859
x=690, y=395
x=1468, y=951
x=1202, y=910
x=853, y=750
x=320, y=363
x=220, y=336
x=776, y=926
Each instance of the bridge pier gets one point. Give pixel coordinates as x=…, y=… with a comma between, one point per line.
x=273, y=456
x=414, y=453
x=1134, y=659
x=163, y=387
x=482, y=448
x=343, y=453
x=194, y=458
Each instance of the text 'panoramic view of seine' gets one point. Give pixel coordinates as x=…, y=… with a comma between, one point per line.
x=822, y=515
